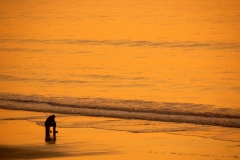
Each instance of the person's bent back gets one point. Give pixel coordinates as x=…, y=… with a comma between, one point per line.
x=50, y=121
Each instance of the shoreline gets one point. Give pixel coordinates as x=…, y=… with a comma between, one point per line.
x=26, y=140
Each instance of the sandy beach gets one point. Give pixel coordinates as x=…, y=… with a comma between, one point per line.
x=22, y=139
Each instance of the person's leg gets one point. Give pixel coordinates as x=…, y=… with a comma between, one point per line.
x=47, y=128
x=54, y=132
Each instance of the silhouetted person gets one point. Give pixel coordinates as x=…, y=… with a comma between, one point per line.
x=50, y=121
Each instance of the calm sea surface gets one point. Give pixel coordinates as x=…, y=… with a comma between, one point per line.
x=127, y=55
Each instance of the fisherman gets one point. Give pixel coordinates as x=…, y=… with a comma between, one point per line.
x=50, y=121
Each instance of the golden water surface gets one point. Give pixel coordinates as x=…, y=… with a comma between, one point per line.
x=169, y=51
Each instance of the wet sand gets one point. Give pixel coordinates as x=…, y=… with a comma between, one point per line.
x=22, y=139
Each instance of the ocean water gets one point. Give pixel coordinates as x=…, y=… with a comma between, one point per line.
x=145, y=66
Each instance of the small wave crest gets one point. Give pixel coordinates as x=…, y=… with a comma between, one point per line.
x=128, y=43
x=126, y=109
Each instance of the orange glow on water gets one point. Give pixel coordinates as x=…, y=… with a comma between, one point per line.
x=174, y=72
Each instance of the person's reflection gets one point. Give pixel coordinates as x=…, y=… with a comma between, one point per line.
x=50, y=141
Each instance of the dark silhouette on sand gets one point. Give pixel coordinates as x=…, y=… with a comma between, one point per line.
x=50, y=122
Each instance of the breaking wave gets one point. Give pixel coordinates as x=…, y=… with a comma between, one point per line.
x=125, y=109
